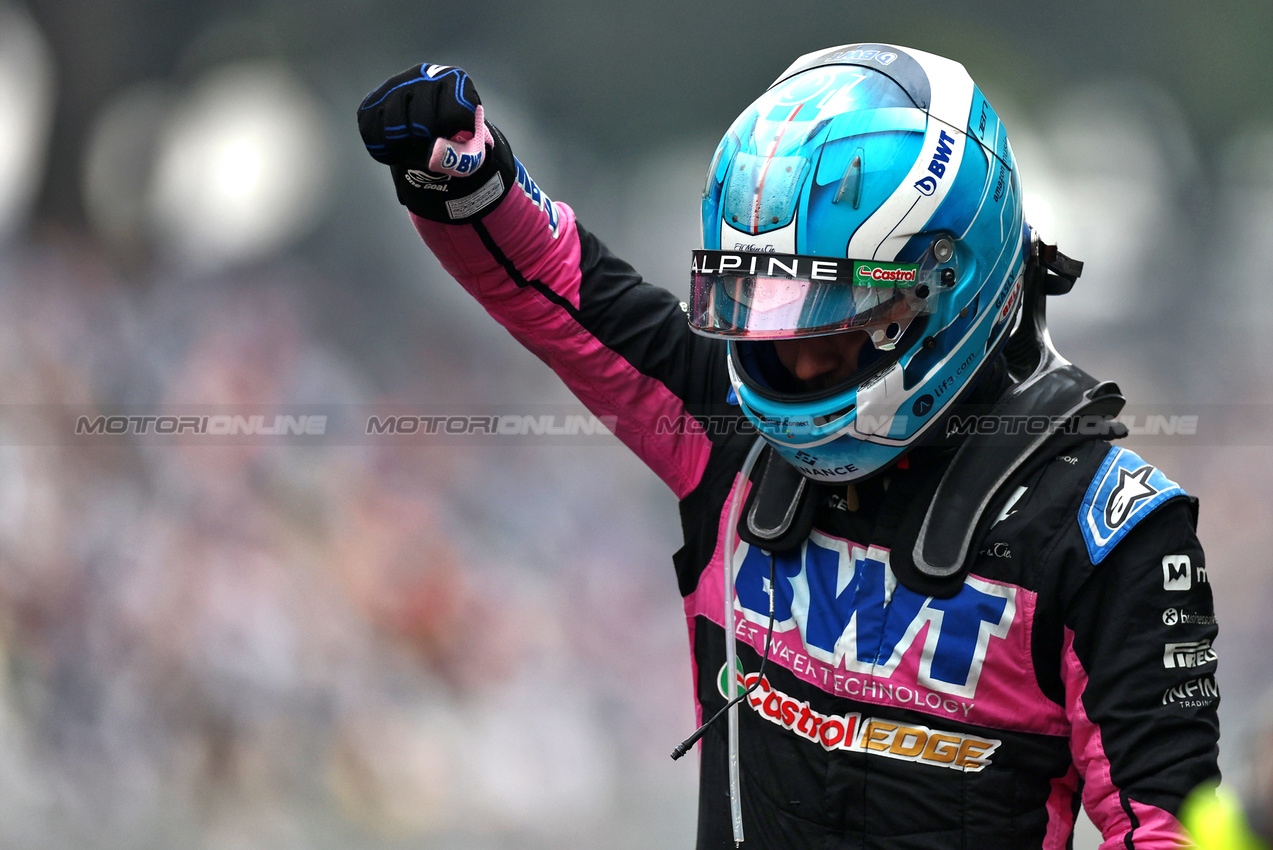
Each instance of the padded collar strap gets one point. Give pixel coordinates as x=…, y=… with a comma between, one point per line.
x=778, y=515
x=931, y=554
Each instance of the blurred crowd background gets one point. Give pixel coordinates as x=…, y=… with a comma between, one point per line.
x=278, y=645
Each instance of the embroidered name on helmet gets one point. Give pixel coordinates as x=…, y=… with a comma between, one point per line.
x=1009, y=300
x=853, y=733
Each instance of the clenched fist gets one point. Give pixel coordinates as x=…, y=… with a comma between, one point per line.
x=427, y=124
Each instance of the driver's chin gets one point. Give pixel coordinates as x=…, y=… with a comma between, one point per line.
x=822, y=382
x=817, y=363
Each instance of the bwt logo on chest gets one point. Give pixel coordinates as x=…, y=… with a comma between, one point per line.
x=851, y=612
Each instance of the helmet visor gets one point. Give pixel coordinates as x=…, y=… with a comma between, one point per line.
x=740, y=295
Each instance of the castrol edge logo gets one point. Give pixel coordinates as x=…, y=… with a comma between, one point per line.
x=853, y=733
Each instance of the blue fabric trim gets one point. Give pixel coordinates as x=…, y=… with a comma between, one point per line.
x=1122, y=493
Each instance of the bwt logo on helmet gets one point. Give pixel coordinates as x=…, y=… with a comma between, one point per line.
x=883, y=57
x=941, y=157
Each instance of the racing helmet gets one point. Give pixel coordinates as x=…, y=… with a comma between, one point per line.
x=871, y=188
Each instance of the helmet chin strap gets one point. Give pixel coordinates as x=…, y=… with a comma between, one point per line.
x=1030, y=351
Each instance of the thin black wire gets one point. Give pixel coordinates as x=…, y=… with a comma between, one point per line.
x=684, y=746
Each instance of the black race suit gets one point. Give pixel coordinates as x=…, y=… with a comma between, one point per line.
x=1075, y=664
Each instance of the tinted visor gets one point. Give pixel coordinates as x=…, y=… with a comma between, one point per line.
x=739, y=295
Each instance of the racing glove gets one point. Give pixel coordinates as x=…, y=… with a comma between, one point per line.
x=428, y=126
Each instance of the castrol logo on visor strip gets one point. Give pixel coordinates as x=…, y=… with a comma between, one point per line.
x=873, y=274
x=871, y=735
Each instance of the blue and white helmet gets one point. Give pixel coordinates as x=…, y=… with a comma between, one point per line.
x=870, y=188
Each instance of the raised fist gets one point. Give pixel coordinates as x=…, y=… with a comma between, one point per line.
x=428, y=126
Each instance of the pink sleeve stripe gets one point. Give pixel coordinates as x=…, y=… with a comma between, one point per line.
x=1061, y=811
x=524, y=234
x=1155, y=829
x=607, y=384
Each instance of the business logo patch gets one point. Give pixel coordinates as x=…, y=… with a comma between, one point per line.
x=944, y=155
x=1181, y=617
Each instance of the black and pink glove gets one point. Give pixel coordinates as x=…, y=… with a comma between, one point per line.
x=428, y=126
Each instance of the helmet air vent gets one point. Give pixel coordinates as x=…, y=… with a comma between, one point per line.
x=819, y=421
x=852, y=175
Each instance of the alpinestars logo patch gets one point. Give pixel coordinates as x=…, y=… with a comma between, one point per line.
x=1123, y=492
x=1132, y=489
